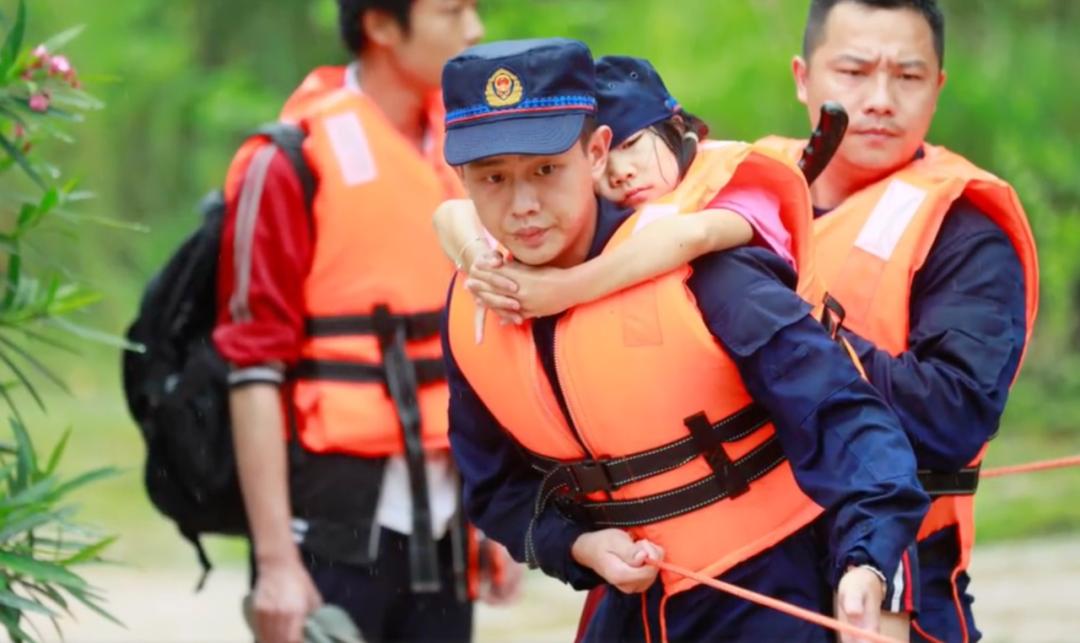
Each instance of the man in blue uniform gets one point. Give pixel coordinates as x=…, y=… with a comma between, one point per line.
x=527, y=167
x=968, y=323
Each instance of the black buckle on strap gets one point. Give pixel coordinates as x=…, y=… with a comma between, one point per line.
x=950, y=483
x=590, y=476
x=832, y=315
x=712, y=449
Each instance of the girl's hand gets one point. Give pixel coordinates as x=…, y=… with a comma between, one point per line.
x=492, y=289
x=539, y=292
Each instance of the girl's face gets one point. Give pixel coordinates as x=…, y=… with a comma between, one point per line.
x=639, y=169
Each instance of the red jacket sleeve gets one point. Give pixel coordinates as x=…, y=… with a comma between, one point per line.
x=265, y=255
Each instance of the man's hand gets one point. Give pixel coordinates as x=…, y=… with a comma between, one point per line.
x=283, y=597
x=502, y=582
x=858, y=600
x=619, y=560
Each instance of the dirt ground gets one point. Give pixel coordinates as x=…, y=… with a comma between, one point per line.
x=1026, y=592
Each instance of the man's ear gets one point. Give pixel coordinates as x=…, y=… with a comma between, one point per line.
x=597, y=151
x=381, y=28
x=799, y=69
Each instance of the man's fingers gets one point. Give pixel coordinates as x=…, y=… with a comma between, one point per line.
x=652, y=550
x=631, y=580
x=853, y=604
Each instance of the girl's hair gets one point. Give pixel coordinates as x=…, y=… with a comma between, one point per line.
x=682, y=133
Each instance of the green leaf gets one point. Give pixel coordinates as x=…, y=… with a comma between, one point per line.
x=22, y=378
x=14, y=41
x=68, y=486
x=49, y=592
x=16, y=154
x=93, y=335
x=57, y=452
x=41, y=571
x=13, y=115
x=33, y=521
x=57, y=42
x=27, y=458
x=48, y=341
x=13, y=275
x=33, y=361
x=90, y=552
x=12, y=600
x=10, y=619
x=91, y=601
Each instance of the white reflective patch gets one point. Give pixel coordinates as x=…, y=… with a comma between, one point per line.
x=351, y=148
x=890, y=218
x=898, y=587
x=653, y=212
x=710, y=144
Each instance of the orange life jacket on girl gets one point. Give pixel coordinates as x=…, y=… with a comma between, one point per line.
x=869, y=250
x=377, y=269
x=665, y=441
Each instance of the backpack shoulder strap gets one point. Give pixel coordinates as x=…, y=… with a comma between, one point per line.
x=290, y=139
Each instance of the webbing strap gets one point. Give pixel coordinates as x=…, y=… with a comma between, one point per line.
x=954, y=483
x=676, y=502
x=588, y=476
x=417, y=326
x=427, y=371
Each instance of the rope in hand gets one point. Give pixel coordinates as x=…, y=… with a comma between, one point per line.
x=781, y=606
x=1040, y=465
x=821, y=619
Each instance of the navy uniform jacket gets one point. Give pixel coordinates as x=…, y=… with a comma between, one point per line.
x=967, y=328
x=845, y=446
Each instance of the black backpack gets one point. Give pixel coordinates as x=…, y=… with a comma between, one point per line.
x=176, y=387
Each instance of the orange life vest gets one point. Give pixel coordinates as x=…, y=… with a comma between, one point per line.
x=870, y=247
x=643, y=377
x=374, y=246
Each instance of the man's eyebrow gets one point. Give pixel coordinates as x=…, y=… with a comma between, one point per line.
x=853, y=59
x=913, y=63
x=488, y=162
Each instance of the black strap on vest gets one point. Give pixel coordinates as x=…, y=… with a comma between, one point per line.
x=417, y=326
x=427, y=371
x=676, y=502
x=588, y=476
x=832, y=315
x=955, y=483
x=402, y=384
x=569, y=482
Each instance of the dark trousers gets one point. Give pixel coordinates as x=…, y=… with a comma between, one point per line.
x=380, y=601
x=944, y=610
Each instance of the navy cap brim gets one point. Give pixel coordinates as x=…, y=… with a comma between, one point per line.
x=536, y=136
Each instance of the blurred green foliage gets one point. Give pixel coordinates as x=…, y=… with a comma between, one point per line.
x=185, y=81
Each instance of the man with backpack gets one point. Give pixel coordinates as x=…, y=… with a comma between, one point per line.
x=329, y=321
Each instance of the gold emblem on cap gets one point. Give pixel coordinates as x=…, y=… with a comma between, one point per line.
x=503, y=88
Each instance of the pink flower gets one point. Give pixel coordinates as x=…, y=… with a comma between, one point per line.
x=60, y=65
x=20, y=131
x=40, y=52
x=39, y=102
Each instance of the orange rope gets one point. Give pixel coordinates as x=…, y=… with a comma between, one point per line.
x=1041, y=465
x=786, y=608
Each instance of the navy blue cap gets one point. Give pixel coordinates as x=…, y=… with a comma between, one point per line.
x=631, y=96
x=517, y=97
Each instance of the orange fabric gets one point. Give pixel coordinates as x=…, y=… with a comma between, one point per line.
x=869, y=265
x=374, y=244
x=634, y=365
